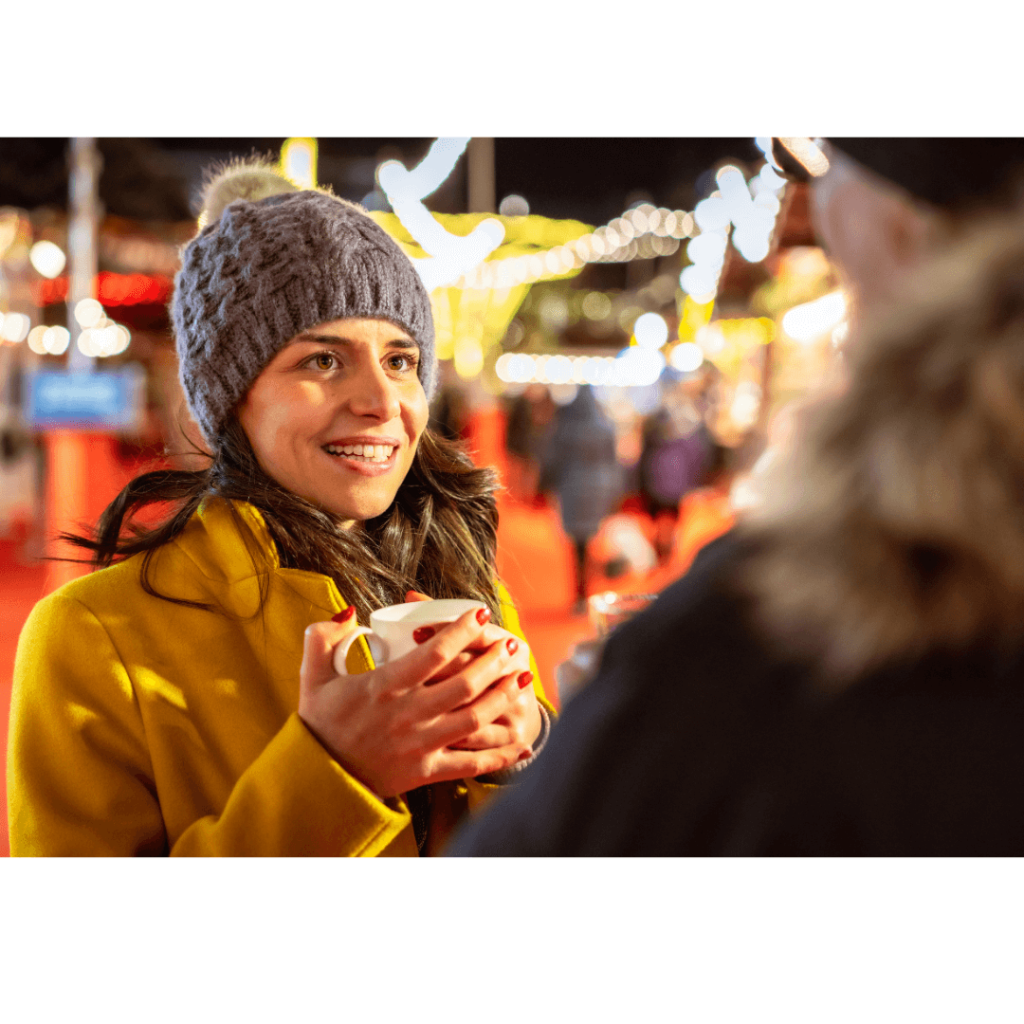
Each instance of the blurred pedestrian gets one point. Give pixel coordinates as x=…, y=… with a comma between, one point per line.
x=581, y=468
x=676, y=445
x=531, y=416
x=183, y=698
x=841, y=674
x=705, y=513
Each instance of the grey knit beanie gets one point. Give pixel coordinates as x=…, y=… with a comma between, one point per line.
x=272, y=262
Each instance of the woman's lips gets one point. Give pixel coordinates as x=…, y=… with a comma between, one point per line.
x=367, y=460
x=369, y=452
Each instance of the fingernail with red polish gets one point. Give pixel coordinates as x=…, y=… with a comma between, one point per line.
x=345, y=615
x=512, y=644
x=423, y=634
x=524, y=755
x=483, y=615
x=524, y=679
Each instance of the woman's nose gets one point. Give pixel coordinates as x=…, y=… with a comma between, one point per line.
x=374, y=394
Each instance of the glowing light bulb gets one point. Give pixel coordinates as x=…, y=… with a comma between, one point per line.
x=56, y=340
x=298, y=161
x=449, y=256
x=687, y=357
x=35, y=339
x=623, y=227
x=559, y=370
x=708, y=248
x=699, y=282
x=811, y=320
x=47, y=258
x=775, y=182
x=650, y=331
x=88, y=313
x=638, y=367
x=712, y=214
x=513, y=206
x=15, y=327
x=124, y=339
x=501, y=367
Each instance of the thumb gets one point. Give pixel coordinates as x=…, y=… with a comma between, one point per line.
x=415, y=595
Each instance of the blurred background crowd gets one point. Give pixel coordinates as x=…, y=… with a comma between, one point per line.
x=623, y=325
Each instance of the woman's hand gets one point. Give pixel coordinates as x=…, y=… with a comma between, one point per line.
x=522, y=722
x=398, y=727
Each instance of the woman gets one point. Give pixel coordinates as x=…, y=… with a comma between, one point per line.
x=182, y=700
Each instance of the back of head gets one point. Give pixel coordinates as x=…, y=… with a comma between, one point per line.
x=896, y=525
x=270, y=262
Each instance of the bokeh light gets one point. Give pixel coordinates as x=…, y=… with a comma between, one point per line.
x=686, y=357
x=650, y=330
x=596, y=306
x=15, y=327
x=637, y=367
x=88, y=313
x=47, y=258
x=55, y=340
x=35, y=339
x=514, y=206
x=811, y=320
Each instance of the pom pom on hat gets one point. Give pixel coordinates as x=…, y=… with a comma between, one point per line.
x=271, y=262
x=251, y=180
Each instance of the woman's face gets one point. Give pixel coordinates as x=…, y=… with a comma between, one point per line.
x=337, y=414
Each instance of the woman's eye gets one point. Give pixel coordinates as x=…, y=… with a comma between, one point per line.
x=402, y=362
x=324, y=360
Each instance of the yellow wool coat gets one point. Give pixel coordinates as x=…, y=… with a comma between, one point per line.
x=139, y=726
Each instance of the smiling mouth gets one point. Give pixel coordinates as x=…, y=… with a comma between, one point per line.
x=371, y=453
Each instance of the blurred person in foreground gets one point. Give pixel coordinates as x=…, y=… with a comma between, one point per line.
x=841, y=674
x=182, y=699
x=580, y=466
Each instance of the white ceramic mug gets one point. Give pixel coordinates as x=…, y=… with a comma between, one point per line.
x=390, y=633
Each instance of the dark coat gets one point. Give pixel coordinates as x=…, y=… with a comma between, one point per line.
x=581, y=467
x=695, y=739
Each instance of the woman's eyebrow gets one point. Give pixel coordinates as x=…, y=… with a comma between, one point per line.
x=322, y=339
x=333, y=339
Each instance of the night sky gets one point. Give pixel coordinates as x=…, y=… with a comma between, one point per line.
x=589, y=179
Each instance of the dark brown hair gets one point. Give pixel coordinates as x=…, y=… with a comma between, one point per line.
x=439, y=536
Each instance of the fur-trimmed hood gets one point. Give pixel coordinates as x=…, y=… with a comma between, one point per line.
x=896, y=524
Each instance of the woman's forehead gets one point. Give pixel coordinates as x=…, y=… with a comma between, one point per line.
x=358, y=329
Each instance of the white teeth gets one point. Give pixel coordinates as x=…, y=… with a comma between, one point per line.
x=370, y=452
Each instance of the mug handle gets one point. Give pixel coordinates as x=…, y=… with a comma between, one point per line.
x=342, y=649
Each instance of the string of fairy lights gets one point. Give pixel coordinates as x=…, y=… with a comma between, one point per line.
x=741, y=211
x=643, y=232
x=747, y=209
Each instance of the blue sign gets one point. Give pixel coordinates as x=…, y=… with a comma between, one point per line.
x=100, y=399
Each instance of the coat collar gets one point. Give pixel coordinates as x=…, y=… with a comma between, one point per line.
x=230, y=543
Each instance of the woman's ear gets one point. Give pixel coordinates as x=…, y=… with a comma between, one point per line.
x=871, y=231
